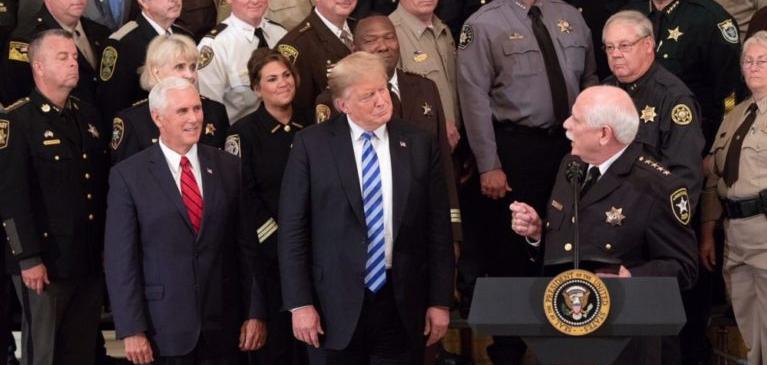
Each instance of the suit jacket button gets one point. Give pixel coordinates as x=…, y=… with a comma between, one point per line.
x=608, y=246
x=568, y=247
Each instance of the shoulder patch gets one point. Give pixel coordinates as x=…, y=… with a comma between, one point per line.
x=321, y=113
x=17, y=51
x=124, y=30
x=232, y=145
x=108, y=62
x=276, y=23
x=5, y=133
x=206, y=56
x=118, y=132
x=217, y=30
x=288, y=51
x=466, y=37
x=681, y=114
x=729, y=31
x=16, y=104
x=680, y=204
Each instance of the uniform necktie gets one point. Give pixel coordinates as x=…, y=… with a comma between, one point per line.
x=259, y=33
x=372, y=200
x=81, y=41
x=117, y=7
x=395, y=103
x=190, y=194
x=557, y=84
x=346, y=39
x=591, y=178
x=732, y=161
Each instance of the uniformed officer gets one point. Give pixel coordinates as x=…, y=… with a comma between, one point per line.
x=427, y=48
x=133, y=128
x=698, y=42
x=68, y=15
x=737, y=191
x=375, y=7
x=742, y=11
x=289, y=13
x=520, y=66
x=7, y=18
x=595, y=13
x=225, y=52
x=198, y=17
x=125, y=52
x=52, y=203
x=263, y=140
x=322, y=39
x=415, y=98
x=670, y=118
x=636, y=211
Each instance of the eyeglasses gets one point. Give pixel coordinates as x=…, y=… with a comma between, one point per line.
x=623, y=47
x=759, y=63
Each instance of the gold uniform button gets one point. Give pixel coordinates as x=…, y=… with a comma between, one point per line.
x=90, y=217
x=568, y=247
x=45, y=234
x=56, y=157
x=608, y=246
x=85, y=156
x=665, y=55
x=89, y=196
x=572, y=219
x=87, y=176
x=548, y=224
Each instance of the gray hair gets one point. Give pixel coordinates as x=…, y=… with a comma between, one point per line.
x=162, y=50
x=639, y=21
x=34, y=48
x=759, y=38
x=620, y=115
x=352, y=68
x=158, y=97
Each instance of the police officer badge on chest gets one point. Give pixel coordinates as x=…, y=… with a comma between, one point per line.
x=615, y=216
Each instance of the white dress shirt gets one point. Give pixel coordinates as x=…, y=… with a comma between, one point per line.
x=157, y=27
x=333, y=28
x=394, y=82
x=225, y=78
x=381, y=146
x=174, y=163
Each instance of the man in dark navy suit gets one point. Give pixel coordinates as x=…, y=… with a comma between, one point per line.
x=179, y=253
x=365, y=253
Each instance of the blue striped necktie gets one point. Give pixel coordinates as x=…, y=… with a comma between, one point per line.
x=372, y=198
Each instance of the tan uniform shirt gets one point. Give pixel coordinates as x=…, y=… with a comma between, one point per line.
x=746, y=240
x=289, y=13
x=430, y=52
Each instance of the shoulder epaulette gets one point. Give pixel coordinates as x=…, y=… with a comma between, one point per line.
x=652, y=165
x=17, y=104
x=276, y=23
x=306, y=27
x=142, y=101
x=217, y=30
x=124, y=30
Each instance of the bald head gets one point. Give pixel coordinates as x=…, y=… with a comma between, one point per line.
x=375, y=34
x=604, y=121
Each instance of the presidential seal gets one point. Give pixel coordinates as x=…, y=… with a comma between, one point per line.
x=576, y=302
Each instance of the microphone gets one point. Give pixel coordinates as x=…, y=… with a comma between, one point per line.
x=574, y=175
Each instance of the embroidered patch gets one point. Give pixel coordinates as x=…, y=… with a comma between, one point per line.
x=108, y=62
x=5, y=133
x=289, y=52
x=206, y=55
x=118, y=132
x=467, y=36
x=321, y=113
x=232, y=145
x=729, y=31
x=681, y=114
x=17, y=51
x=680, y=204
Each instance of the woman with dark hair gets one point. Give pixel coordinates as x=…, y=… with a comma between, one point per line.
x=263, y=140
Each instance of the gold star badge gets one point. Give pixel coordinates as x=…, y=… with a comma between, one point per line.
x=210, y=129
x=426, y=108
x=615, y=216
x=648, y=114
x=93, y=131
x=564, y=26
x=674, y=34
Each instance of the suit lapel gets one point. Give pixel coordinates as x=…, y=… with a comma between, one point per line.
x=611, y=179
x=158, y=168
x=209, y=185
x=400, y=170
x=406, y=92
x=343, y=155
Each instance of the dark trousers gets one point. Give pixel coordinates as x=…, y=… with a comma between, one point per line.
x=530, y=159
x=59, y=326
x=380, y=337
x=198, y=357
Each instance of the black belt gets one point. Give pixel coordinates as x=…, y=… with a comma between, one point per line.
x=747, y=207
x=510, y=127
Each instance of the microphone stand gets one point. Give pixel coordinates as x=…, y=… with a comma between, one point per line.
x=574, y=174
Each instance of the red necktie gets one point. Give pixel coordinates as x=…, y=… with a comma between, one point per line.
x=190, y=194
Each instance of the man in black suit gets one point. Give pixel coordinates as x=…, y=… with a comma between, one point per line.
x=89, y=38
x=125, y=52
x=365, y=252
x=179, y=252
